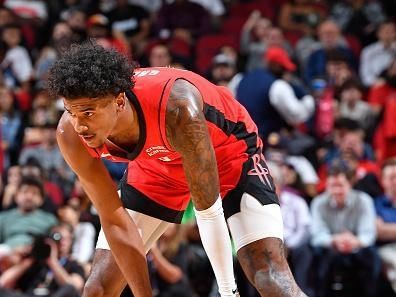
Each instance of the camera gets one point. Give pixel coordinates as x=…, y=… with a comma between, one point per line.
x=40, y=248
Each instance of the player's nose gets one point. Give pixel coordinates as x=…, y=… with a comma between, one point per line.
x=79, y=127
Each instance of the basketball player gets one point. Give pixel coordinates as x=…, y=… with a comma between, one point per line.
x=183, y=138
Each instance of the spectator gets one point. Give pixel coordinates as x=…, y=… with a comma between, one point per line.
x=287, y=151
x=54, y=195
x=11, y=127
x=49, y=270
x=76, y=18
x=386, y=220
x=377, y=57
x=16, y=59
x=17, y=225
x=271, y=37
x=359, y=18
x=275, y=38
x=300, y=15
x=326, y=91
x=133, y=21
x=99, y=29
x=224, y=72
x=343, y=233
x=270, y=98
x=84, y=233
x=79, y=200
x=169, y=259
x=292, y=180
x=367, y=173
x=160, y=56
x=253, y=39
x=353, y=106
x=47, y=154
x=350, y=147
x=382, y=99
x=61, y=39
x=330, y=39
x=325, y=112
x=11, y=186
x=175, y=19
x=337, y=71
x=47, y=105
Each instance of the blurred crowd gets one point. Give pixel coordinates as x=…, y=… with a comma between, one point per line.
x=318, y=78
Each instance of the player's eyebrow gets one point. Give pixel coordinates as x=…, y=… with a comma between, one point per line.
x=87, y=109
x=90, y=108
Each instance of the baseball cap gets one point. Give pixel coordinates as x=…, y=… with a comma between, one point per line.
x=98, y=20
x=222, y=59
x=279, y=56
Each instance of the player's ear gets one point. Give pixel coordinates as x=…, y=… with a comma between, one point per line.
x=121, y=101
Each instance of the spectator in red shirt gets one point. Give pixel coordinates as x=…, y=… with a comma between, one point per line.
x=382, y=97
x=99, y=28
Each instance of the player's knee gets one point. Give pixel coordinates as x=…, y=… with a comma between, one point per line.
x=264, y=279
x=274, y=281
x=93, y=289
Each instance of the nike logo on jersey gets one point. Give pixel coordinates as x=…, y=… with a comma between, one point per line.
x=165, y=159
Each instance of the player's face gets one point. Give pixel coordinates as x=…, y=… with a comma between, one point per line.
x=93, y=119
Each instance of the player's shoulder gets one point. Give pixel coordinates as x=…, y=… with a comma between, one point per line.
x=68, y=140
x=64, y=128
x=184, y=94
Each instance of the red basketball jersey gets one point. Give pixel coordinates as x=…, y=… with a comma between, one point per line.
x=154, y=167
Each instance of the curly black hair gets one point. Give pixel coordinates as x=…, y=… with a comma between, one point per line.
x=89, y=71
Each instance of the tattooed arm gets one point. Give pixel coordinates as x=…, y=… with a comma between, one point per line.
x=188, y=134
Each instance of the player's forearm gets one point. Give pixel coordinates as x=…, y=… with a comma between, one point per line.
x=203, y=182
x=212, y=226
x=216, y=241
x=127, y=248
x=121, y=234
x=204, y=187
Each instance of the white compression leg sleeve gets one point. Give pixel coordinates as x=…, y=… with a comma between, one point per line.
x=216, y=241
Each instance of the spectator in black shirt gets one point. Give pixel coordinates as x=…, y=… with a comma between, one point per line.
x=49, y=269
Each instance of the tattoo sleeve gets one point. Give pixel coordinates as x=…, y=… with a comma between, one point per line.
x=188, y=134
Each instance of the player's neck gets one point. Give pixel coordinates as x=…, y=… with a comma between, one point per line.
x=126, y=131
